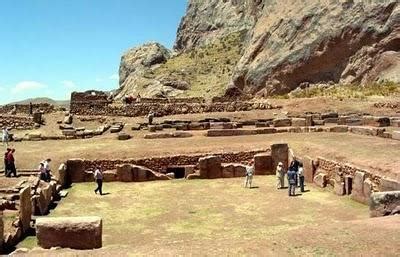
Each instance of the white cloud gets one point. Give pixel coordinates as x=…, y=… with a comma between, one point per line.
x=69, y=84
x=114, y=77
x=24, y=86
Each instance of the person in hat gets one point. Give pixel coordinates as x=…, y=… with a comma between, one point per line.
x=249, y=174
x=280, y=176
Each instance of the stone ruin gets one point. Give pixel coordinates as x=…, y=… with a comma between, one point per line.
x=99, y=103
x=33, y=197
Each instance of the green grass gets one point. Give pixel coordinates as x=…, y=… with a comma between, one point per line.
x=382, y=89
x=204, y=210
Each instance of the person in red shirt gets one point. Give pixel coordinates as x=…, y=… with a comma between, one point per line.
x=11, y=163
x=6, y=162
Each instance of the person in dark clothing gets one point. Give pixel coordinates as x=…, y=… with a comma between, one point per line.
x=295, y=166
x=30, y=108
x=6, y=167
x=98, y=176
x=291, y=179
x=11, y=163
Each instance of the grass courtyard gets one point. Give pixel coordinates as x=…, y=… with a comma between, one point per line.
x=214, y=217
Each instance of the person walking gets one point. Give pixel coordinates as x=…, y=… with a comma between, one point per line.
x=98, y=176
x=11, y=163
x=292, y=180
x=5, y=137
x=301, y=177
x=280, y=176
x=6, y=167
x=249, y=174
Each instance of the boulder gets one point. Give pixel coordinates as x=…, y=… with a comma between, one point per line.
x=69, y=232
x=309, y=170
x=321, y=180
x=357, y=192
x=376, y=121
x=263, y=164
x=384, y=203
x=389, y=185
x=123, y=136
x=62, y=174
x=339, y=188
x=68, y=119
x=210, y=167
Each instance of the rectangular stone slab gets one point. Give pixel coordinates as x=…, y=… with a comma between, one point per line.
x=69, y=232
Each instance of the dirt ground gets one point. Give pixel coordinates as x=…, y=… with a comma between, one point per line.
x=220, y=217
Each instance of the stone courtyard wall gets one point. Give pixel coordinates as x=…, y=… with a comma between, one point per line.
x=24, y=108
x=16, y=122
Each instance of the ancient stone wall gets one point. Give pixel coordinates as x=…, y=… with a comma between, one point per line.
x=89, y=102
x=16, y=122
x=76, y=168
x=24, y=108
x=161, y=109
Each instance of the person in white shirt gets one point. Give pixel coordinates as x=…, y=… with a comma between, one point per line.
x=301, y=177
x=46, y=165
x=249, y=174
x=5, y=137
x=280, y=176
x=98, y=176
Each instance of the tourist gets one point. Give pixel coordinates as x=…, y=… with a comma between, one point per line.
x=295, y=164
x=280, y=176
x=11, y=163
x=98, y=176
x=42, y=172
x=6, y=167
x=46, y=164
x=138, y=98
x=249, y=174
x=150, y=116
x=5, y=137
x=292, y=181
x=30, y=108
x=301, y=177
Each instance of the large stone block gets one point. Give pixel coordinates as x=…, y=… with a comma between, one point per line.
x=367, y=131
x=141, y=174
x=240, y=170
x=321, y=180
x=69, y=232
x=298, y=122
x=348, y=184
x=110, y=176
x=357, y=192
x=228, y=170
x=284, y=122
x=210, y=167
x=124, y=172
x=62, y=174
x=309, y=120
x=396, y=135
x=389, y=185
x=75, y=171
x=25, y=208
x=384, y=203
x=280, y=153
x=338, y=129
x=309, y=169
x=263, y=164
x=339, y=188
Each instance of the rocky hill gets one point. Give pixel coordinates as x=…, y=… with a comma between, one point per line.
x=266, y=47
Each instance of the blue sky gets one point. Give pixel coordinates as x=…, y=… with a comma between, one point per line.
x=49, y=48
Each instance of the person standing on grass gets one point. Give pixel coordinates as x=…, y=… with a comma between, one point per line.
x=98, y=176
x=150, y=117
x=301, y=177
x=11, y=163
x=6, y=166
x=292, y=181
x=249, y=174
x=280, y=176
x=5, y=136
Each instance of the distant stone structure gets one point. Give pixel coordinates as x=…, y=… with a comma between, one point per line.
x=25, y=108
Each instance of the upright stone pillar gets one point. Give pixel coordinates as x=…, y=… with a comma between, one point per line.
x=280, y=153
x=263, y=164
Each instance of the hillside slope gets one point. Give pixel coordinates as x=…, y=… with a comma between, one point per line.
x=268, y=47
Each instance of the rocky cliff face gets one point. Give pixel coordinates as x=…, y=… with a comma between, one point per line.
x=265, y=47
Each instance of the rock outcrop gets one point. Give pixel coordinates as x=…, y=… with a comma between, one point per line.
x=266, y=47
